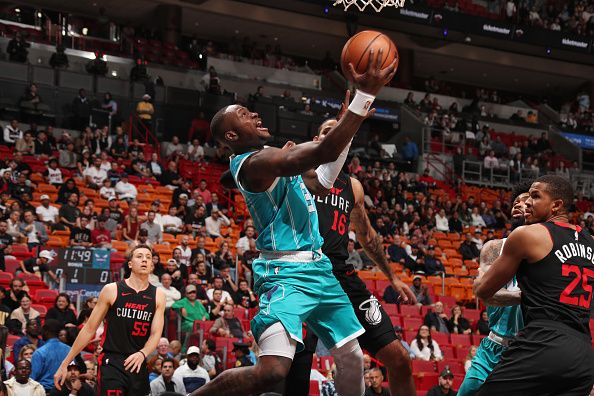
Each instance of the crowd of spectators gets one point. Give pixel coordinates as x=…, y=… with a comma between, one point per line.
x=577, y=114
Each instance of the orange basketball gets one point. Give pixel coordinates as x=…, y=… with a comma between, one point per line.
x=356, y=51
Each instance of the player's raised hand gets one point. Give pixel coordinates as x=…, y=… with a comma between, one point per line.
x=344, y=106
x=133, y=363
x=375, y=77
x=60, y=376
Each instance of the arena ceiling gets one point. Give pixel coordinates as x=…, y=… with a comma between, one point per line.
x=302, y=28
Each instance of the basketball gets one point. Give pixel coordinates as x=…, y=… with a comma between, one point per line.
x=356, y=51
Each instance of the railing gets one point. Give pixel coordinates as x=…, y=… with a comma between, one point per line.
x=444, y=144
x=474, y=172
x=138, y=129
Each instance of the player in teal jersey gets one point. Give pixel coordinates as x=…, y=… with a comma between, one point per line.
x=503, y=309
x=293, y=279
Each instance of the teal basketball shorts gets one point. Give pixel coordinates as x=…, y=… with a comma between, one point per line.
x=487, y=357
x=293, y=292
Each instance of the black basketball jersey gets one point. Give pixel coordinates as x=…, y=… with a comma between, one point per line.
x=559, y=287
x=128, y=321
x=334, y=216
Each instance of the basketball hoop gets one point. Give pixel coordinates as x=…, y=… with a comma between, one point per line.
x=377, y=5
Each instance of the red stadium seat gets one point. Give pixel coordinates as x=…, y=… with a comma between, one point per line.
x=391, y=309
x=440, y=338
x=11, y=339
x=448, y=352
x=42, y=309
x=425, y=382
x=460, y=339
x=412, y=324
x=477, y=338
x=12, y=265
x=409, y=311
x=326, y=363
x=45, y=295
x=456, y=366
x=422, y=366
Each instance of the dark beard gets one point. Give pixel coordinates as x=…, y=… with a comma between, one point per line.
x=520, y=221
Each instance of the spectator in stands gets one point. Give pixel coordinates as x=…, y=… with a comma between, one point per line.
x=211, y=361
x=155, y=234
x=166, y=382
x=170, y=178
x=354, y=258
x=21, y=383
x=431, y=264
x=478, y=239
x=59, y=59
x=191, y=374
x=32, y=337
x=131, y=226
x=174, y=148
x=69, y=212
x=186, y=252
x=17, y=290
x=125, y=189
x=468, y=359
x=94, y=175
x=171, y=222
x=490, y=161
x=107, y=191
x=163, y=348
x=178, y=272
x=446, y=381
x=441, y=221
x=244, y=296
x=228, y=285
x=195, y=151
x=468, y=249
x=39, y=264
x=190, y=308
x=12, y=133
x=482, y=325
x=145, y=111
x=477, y=219
x=21, y=187
x=61, y=311
x=26, y=144
x=100, y=236
x=243, y=243
x=424, y=347
x=154, y=167
x=458, y=324
x=53, y=174
x=171, y=293
x=518, y=116
x=376, y=389
x=47, y=359
x=437, y=320
x=42, y=145
x=111, y=106
x=153, y=367
x=223, y=257
x=33, y=230
x=228, y=325
x=23, y=313
x=214, y=222
x=217, y=284
x=17, y=48
x=81, y=110
x=420, y=291
x=75, y=383
x=81, y=236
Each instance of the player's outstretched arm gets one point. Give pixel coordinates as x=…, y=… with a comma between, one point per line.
x=87, y=334
x=372, y=243
x=259, y=170
x=489, y=254
x=133, y=363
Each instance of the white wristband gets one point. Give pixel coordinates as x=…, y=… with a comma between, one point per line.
x=327, y=173
x=361, y=103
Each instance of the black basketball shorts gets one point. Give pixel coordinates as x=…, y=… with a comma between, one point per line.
x=379, y=330
x=546, y=358
x=114, y=380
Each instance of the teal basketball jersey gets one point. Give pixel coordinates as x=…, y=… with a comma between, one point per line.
x=285, y=215
x=506, y=321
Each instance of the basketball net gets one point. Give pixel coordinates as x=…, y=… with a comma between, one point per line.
x=377, y=5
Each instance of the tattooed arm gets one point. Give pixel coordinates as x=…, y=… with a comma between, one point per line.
x=489, y=254
x=372, y=243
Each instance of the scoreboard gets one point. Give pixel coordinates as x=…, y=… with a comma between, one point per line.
x=86, y=269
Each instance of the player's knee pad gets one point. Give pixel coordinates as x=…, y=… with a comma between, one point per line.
x=349, y=369
x=275, y=341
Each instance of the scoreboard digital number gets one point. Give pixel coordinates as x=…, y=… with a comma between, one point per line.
x=86, y=270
